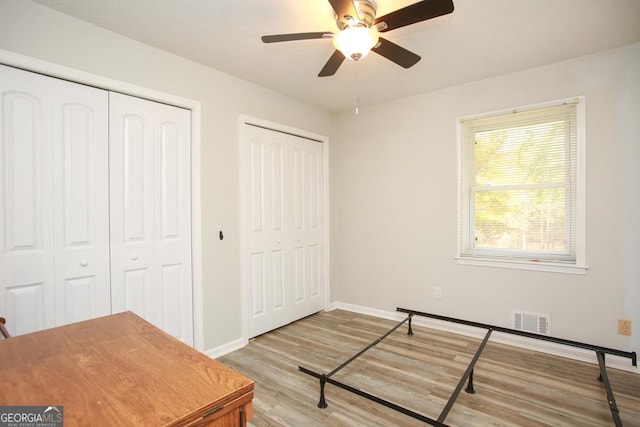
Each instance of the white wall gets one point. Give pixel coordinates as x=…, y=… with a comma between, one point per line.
x=393, y=174
x=34, y=30
x=394, y=210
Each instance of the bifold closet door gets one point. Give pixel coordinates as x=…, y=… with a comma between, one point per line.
x=283, y=228
x=54, y=230
x=151, y=213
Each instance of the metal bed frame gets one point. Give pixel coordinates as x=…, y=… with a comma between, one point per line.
x=468, y=374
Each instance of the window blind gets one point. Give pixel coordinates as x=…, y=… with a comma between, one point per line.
x=518, y=188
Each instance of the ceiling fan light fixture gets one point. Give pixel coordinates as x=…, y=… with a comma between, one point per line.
x=356, y=42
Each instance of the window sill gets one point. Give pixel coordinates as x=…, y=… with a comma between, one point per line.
x=552, y=267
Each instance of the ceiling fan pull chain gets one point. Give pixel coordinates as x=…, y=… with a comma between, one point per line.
x=357, y=89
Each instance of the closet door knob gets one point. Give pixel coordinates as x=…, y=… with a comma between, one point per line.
x=134, y=256
x=84, y=262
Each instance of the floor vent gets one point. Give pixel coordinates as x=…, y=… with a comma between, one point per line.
x=531, y=322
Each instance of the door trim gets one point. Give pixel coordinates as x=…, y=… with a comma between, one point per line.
x=244, y=120
x=65, y=73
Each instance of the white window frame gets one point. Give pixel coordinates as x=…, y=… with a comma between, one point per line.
x=465, y=214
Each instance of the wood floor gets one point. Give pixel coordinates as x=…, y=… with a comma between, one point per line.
x=514, y=387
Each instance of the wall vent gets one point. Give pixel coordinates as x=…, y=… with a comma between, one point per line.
x=536, y=323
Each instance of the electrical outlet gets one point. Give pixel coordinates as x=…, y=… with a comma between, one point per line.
x=624, y=327
x=437, y=292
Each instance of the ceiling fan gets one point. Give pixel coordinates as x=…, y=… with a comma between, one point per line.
x=359, y=31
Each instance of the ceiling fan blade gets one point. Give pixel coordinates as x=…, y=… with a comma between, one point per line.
x=395, y=53
x=332, y=64
x=344, y=8
x=416, y=12
x=295, y=36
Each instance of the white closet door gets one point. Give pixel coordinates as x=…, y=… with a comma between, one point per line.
x=172, y=200
x=53, y=180
x=26, y=190
x=283, y=228
x=81, y=202
x=131, y=206
x=150, y=213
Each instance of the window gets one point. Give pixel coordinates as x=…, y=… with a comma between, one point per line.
x=520, y=181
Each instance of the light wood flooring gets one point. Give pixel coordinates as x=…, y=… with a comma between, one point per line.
x=514, y=387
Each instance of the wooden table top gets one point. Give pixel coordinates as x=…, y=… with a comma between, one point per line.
x=115, y=370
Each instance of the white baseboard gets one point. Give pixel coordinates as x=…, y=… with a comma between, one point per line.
x=547, y=347
x=221, y=350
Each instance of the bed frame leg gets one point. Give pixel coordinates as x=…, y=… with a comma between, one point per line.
x=323, y=403
x=603, y=362
x=470, y=388
x=410, y=330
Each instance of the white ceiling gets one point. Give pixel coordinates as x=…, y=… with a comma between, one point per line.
x=480, y=39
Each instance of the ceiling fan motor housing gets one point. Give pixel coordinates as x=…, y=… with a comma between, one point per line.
x=366, y=14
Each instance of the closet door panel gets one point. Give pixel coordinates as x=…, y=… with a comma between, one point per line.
x=150, y=146
x=26, y=227
x=135, y=288
x=25, y=151
x=81, y=202
x=173, y=219
x=309, y=231
x=282, y=185
x=132, y=204
x=137, y=179
x=25, y=308
x=79, y=299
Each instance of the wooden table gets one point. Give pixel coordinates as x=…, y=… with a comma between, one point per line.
x=121, y=370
